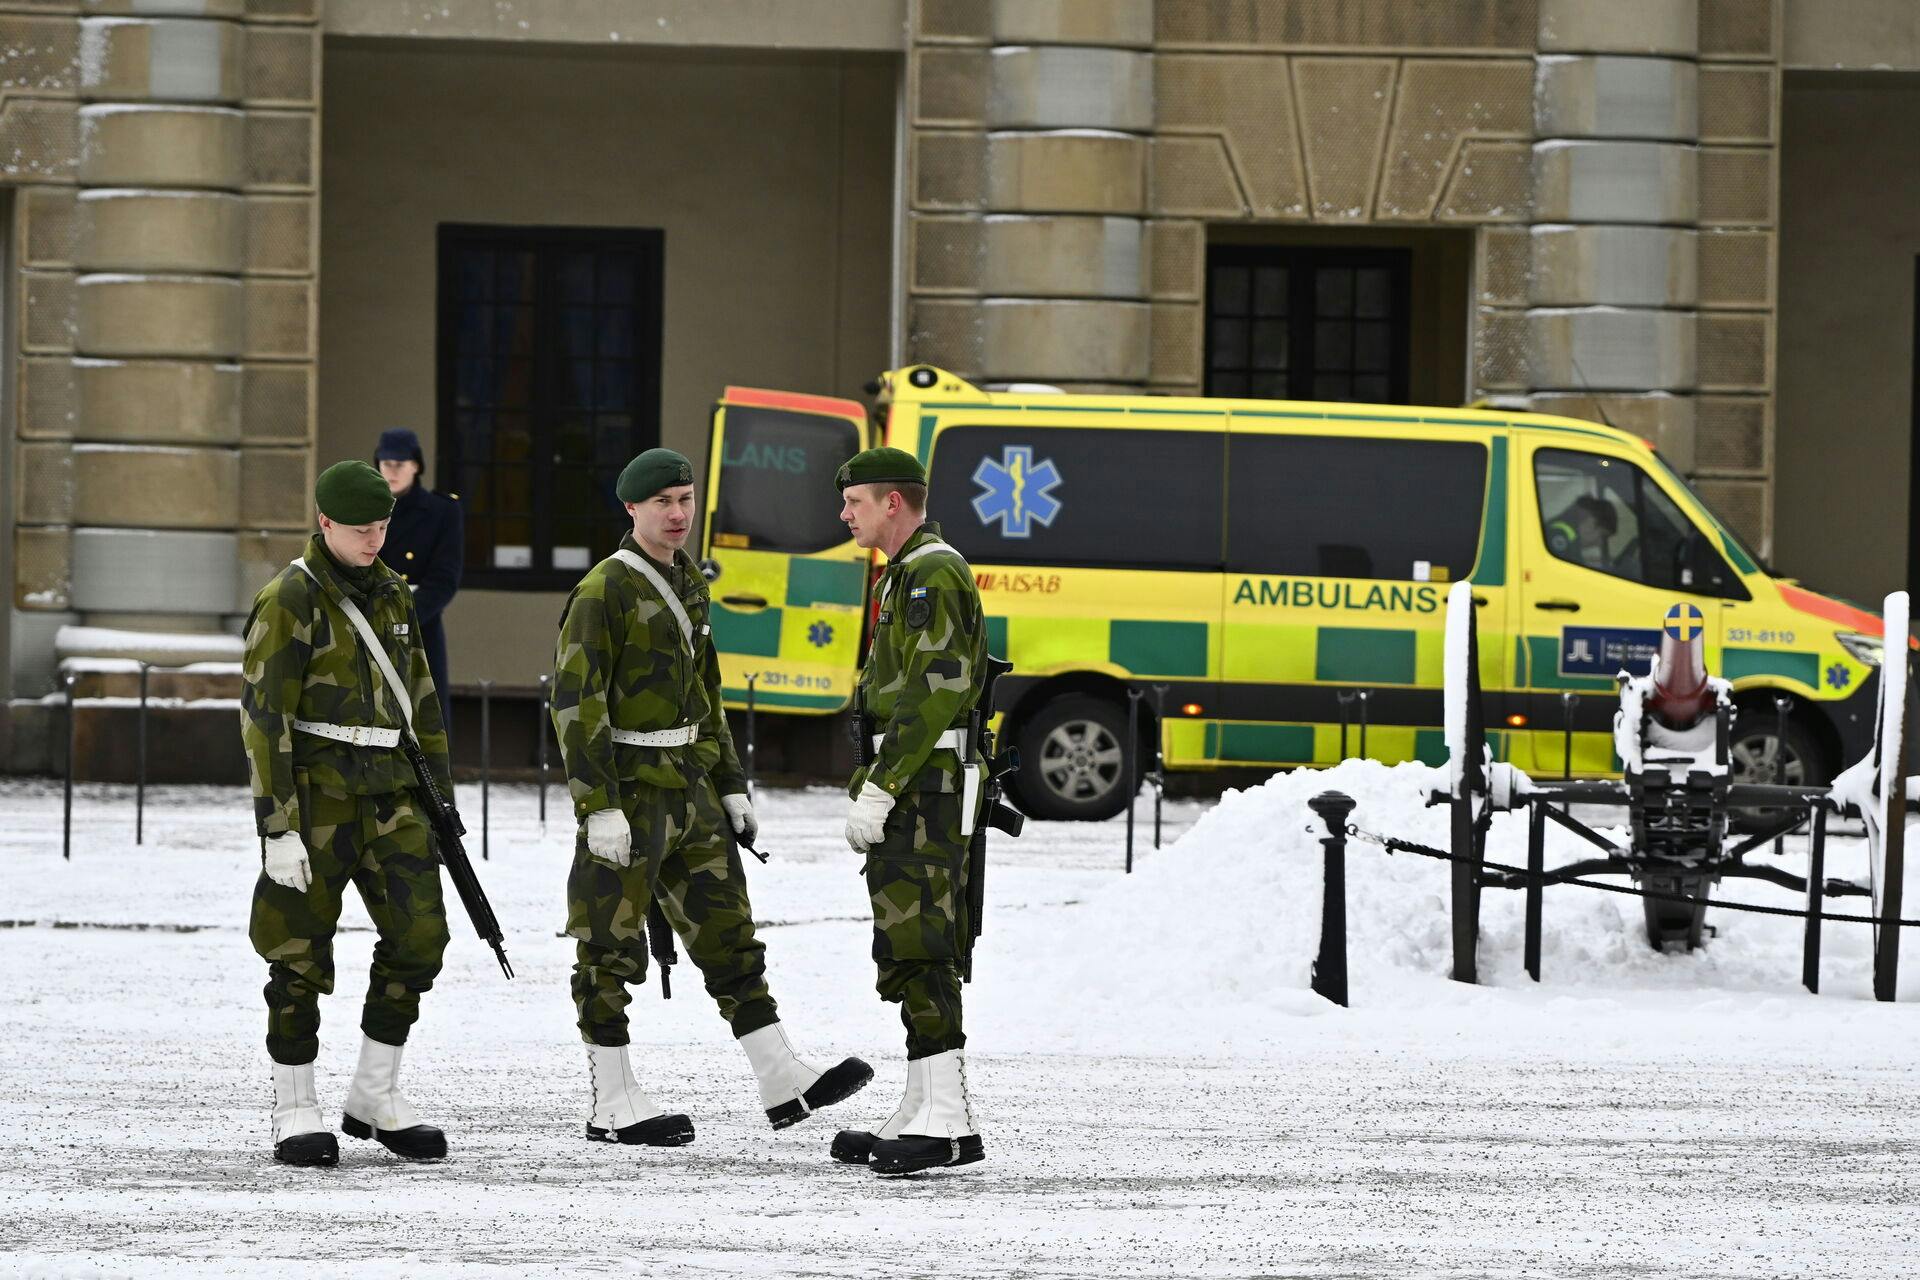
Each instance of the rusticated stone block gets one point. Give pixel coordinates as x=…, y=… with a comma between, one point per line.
x=1596, y=96
x=1193, y=177
x=1067, y=172
x=946, y=253
x=191, y=232
x=43, y=568
x=1736, y=187
x=1736, y=269
x=1611, y=349
x=280, y=319
x=1737, y=103
x=274, y=490
x=966, y=21
x=1734, y=352
x=1493, y=182
x=280, y=235
x=1178, y=348
x=1441, y=105
x=39, y=140
x=161, y=59
x=164, y=8
x=952, y=86
x=1244, y=106
x=157, y=402
x=47, y=398
x=1050, y=340
x=48, y=299
x=1346, y=24
x=155, y=487
x=1178, y=253
x=1064, y=257
x=1506, y=263
x=42, y=55
x=1627, y=266
x=1053, y=87
x=49, y=216
x=1734, y=431
x=153, y=571
x=947, y=333
x=282, y=66
x=1669, y=28
x=1344, y=104
x=1116, y=23
x=949, y=170
x=282, y=150
x=1500, y=351
x=143, y=315
x=277, y=403
x=1615, y=182
x=160, y=146
x=43, y=492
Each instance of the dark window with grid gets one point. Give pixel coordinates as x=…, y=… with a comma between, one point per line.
x=1307, y=324
x=549, y=383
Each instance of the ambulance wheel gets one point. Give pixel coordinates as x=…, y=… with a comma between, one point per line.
x=1072, y=763
x=1755, y=753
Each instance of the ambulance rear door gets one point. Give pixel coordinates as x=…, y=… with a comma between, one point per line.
x=789, y=585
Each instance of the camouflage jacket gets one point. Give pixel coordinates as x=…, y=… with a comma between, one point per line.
x=923, y=672
x=305, y=661
x=621, y=663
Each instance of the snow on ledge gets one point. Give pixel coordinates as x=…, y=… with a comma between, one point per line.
x=162, y=648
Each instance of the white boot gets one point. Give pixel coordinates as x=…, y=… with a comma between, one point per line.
x=622, y=1112
x=296, y=1106
x=939, y=1130
x=792, y=1090
x=855, y=1146
x=945, y=1110
x=377, y=1109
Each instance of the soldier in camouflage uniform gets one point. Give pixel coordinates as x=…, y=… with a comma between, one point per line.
x=321, y=726
x=662, y=801
x=921, y=681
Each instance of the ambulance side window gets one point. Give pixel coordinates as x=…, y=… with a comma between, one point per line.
x=1354, y=507
x=1608, y=515
x=774, y=467
x=1096, y=497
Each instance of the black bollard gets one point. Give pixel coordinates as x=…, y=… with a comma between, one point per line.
x=1365, y=696
x=540, y=732
x=140, y=779
x=1159, y=774
x=66, y=818
x=1816, y=886
x=1131, y=754
x=752, y=679
x=486, y=765
x=1345, y=698
x=1330, y=967
x=1781, y=704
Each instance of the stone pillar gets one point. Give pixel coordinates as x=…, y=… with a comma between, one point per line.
x=194, y=234
x=1028, y=255
x=1613, y=285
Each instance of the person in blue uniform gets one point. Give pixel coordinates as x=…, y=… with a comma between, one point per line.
x=426, y=546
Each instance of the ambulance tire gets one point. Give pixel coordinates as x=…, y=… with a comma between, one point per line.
x=1072, y=766
x=1753, y=746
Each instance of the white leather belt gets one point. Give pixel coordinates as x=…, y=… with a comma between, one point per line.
x=684, y=736
x=354, y=735
x=952, y=740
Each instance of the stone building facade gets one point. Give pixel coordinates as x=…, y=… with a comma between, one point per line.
x=1586, y=195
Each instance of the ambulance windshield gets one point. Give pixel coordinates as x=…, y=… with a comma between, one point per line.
x=775, y=490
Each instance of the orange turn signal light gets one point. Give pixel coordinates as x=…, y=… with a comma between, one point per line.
x=1517, y=720
x=1191, y=709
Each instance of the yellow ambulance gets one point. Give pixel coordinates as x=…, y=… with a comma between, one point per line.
x=1270, y=574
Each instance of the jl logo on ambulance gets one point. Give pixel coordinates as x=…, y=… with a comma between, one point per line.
x=1016, y=491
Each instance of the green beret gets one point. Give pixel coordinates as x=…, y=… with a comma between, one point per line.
x=652, y=471
x=880, y=466
x=353, y=493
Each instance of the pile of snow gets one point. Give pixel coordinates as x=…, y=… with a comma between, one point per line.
x=1215, y=936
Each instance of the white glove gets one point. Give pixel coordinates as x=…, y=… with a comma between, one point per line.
x=287, y=863
x=867, y=817
x=740, y=814
x=609, y=838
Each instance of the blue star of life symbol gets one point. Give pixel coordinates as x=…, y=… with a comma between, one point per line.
x=1838, y=676
x=1685, y=621
x=820, y=635
x=1017, y=491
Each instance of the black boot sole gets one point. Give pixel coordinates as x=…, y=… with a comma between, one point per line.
x=916, y=1153
x=836, y=1084
x=853, y=1146
x=308, y=1151
x=659, y=1131
x=421, y=1142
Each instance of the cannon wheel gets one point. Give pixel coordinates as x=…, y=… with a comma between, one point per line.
x=1887, y=846
x=1675, y=925
x=1471, y=790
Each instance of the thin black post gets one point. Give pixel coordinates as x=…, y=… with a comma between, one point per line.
x=1781, y=704
x=1816, y=885
x=140, y=779
x=1330, y=966
x=1159, y=756
x=540, y=732
x=486, y=767
x=66, y=817
x=1132, y=756
x=1567, y=699
x=1366, y=696
x=753, y=678
x=1344, y=698
x=1536, y=883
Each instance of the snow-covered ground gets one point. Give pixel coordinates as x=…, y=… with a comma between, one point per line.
x=1160, y=1094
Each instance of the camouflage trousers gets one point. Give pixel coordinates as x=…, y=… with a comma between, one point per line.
x=917, y=878
x=683, y=849
x=381, y=844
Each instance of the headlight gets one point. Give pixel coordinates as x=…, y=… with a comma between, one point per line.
x=1867, y=649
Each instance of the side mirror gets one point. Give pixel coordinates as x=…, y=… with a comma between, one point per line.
x=710, y=569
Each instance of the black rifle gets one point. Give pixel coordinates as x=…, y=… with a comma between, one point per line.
x=992, y=813
x=447, y=830
x=660, y=944
x=861, y=729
